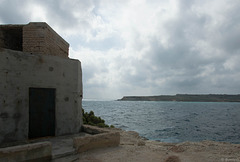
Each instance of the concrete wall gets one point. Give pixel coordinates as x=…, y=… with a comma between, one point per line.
x=41, y=151
x=82, y=144
x=40, y=38
x=18, y=72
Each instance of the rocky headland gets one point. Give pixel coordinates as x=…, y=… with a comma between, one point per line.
x=186, y=98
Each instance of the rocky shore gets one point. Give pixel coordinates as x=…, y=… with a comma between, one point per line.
x=134, y=148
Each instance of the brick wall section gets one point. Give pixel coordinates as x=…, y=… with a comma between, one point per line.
x=40, y=38
x=33, y=39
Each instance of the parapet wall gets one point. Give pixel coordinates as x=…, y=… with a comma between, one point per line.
x=35, y=38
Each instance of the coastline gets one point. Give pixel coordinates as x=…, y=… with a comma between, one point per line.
x=135, y=148
x=185, y=98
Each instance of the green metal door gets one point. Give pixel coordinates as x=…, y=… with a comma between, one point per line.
x=41, y=112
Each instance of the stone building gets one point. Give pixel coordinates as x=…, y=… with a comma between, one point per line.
x=40, y=87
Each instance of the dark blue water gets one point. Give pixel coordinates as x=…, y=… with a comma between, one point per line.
x=172, y=121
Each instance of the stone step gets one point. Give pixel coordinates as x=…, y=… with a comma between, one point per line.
x=66, y=153
x=67, y=158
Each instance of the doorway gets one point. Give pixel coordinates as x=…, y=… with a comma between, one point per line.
x=41, y=112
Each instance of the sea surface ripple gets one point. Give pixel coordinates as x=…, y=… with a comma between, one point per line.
x=172, y=121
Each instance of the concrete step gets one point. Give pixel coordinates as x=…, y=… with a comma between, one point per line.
x=62, y=147
x=56, y=155
x=67, y=158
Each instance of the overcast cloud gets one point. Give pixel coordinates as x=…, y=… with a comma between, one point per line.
x=144, y=47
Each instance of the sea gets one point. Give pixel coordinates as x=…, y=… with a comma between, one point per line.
x=172, y=121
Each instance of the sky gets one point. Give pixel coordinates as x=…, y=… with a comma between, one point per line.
x=143, y=47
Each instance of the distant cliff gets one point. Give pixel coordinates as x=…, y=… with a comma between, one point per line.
x=186, y=97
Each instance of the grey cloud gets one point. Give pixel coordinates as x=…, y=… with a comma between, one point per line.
x=229, y=34
x=185, y=31
x=65, y=15
x=62, y=12
x=112, y=42
x=194, y=61
x=11, y=13
x=184, y=66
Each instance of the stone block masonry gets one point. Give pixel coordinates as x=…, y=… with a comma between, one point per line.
x=40, y=38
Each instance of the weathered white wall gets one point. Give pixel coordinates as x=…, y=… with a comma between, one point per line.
x=18, y=72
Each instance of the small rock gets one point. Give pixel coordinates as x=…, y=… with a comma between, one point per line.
x=172, y=159
x=141, y=143
x=177, y=149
